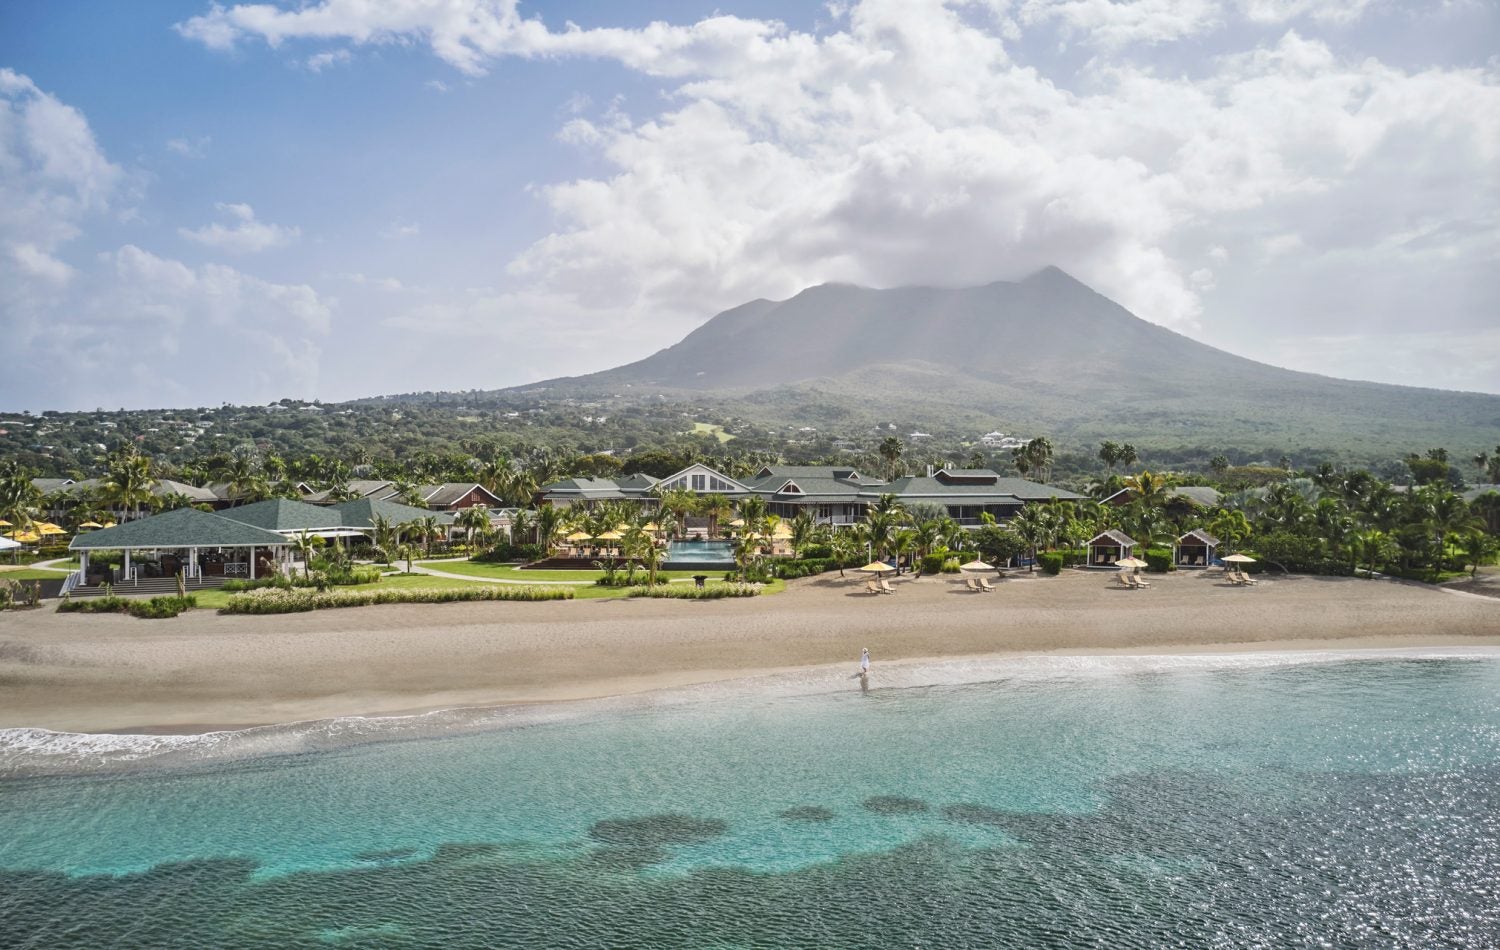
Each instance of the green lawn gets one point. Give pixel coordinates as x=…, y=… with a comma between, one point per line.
x=708, y=428
x=31, y=574
x=509, y=573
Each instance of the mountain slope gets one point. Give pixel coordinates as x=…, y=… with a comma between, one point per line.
x=1042, y=354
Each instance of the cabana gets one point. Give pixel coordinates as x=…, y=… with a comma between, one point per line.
x=194, y=542
x=1107, y=547
x=1194, y=549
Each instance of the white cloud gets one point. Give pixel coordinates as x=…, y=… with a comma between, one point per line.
x=243, y=234
x=1325, y=11
x=127, y=327
x=321, y=61
x=399, y=230
x=190, y=148
x=1112, y=24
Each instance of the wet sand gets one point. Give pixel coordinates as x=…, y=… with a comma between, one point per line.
x=203, y=671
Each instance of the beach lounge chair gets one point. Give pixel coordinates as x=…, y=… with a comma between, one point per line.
x=1234, y=578
x=1139, y=581
x=971, y=584
x=985, y=584
x=885, y=587
x=1245, y=578
x=871, y=588
x=1131, y=581
x=1121, y=582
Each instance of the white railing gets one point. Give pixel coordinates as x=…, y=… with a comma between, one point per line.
x=71, y=581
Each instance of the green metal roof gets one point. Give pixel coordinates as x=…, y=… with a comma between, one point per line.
x=183, y=528
x=361, y=513
x=280, y=514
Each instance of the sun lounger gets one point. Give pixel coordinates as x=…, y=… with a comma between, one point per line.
x=885, y=587
x=871, y=588
x=1139, y=581
x=1131, y=581
x=1234, y=578
x=1121, y=582
x=1245, y=578
x=971, y=584
x=985, y=585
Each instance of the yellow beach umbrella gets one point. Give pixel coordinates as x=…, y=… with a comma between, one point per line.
x=91, y=524
x=4, y=523
x=782, y=532
x=47, y=527
x=650, y=526
x=610, y=536
x=579, y=536
x=25, y=537
x=109, y=524
x=737, y=523
x=877, y=567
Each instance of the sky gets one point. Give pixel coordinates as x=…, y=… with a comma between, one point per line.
x=204, y=203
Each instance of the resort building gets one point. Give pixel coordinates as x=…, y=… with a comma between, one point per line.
x=836, y=495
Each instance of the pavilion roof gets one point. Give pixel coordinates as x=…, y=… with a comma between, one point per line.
x=281, y=514
x=1118, y=537
x=182, y=528
x=361, y=513
x=1200, y=535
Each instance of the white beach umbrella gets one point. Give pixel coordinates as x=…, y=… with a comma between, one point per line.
x=877, y=567
x=976, y=566
x=7, y=543
x=1131, y=562
x=1239, y=559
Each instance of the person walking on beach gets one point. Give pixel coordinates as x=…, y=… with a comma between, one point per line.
x=864, y=661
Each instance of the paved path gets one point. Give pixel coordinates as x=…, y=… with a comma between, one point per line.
x=47, y=565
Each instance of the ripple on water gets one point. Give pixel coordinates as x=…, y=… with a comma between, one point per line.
x=894, y=805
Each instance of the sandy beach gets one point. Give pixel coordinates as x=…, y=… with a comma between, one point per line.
x=205, y=671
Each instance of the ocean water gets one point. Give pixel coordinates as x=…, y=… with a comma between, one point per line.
x=1351, y=802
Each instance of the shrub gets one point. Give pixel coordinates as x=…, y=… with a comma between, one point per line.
x=817, y=552
x=1159, y=560
x=157, y=608
x=621, y=580
x=506, y=553
x=951, y=565
x=1051, y=562
x=684, y=592
x=804, y=567
x=1073, y=557
x=273, y=601
x=933, y=563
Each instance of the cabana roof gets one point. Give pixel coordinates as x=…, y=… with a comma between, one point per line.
x=1199, y=535
x=1114, y=537
x=183, y=528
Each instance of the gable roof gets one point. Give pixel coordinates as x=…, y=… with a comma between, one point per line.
x=1201, y=535
x=280, y=514
x=449, y=492
x=1120, y=538
x=182, y=528
x=699, y=468
x=49, y=485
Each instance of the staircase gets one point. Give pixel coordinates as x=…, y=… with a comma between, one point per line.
x=149, y=587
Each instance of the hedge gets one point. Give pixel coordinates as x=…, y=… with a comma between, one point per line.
x=684, y=592
x=157, y=608
x=274, y=601
x=1159, y=560
x=933, y=563
x=1051, y=562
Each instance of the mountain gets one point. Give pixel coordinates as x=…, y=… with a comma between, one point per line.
x=1044, y=354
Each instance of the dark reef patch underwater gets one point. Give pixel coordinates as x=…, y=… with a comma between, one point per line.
x=1349, y=805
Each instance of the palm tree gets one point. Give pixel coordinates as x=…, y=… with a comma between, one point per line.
x=548, y=523
x=716, y=507
x=1031, y=527
x=306, y=544
x=386, y=534
x=128, y=483
x=1038, y=454
x=844, y=546
x=681, y=503
x=425, y=529
x=802, y=527
x=246, y=481
x=474, y=521
x=891, y=449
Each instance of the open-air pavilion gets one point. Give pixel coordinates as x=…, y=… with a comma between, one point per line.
x=1194, y=549
x=193, y=542
x=1107, y=547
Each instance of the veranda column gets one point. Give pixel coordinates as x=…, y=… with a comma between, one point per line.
x=126, y=577
x=252, y=562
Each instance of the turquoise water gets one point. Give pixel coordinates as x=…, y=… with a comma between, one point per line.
x=1340, y=804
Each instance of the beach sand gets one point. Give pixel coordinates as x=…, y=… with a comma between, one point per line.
x=204, y=671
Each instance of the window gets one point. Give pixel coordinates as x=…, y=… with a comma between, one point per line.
x=699, y=481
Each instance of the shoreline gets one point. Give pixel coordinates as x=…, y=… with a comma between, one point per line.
x=198, y=674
